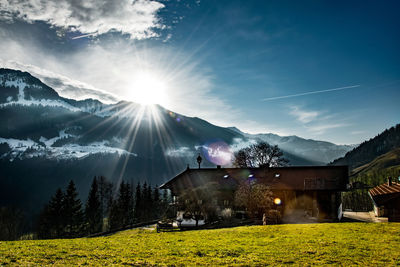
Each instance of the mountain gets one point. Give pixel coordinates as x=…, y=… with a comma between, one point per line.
x=46, y=140
x=318, y=152
x=386, y=163
x=369, y=150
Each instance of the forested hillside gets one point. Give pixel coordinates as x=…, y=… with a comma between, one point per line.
x=371, y=164
x=369, y=150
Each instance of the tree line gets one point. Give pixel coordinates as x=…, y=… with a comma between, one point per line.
x=108, y=207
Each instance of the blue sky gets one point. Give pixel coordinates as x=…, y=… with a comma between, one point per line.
x=224, y=60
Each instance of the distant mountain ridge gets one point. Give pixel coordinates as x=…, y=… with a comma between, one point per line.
x=320, y=152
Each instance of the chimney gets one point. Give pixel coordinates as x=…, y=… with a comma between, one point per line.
x=390, y=181
x=218, y=166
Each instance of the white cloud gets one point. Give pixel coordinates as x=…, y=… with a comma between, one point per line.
x=180, y=152
x=304, y=116
x=317, y=122
x=137, y=18
x=319, y=129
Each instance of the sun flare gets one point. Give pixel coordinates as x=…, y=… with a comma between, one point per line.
x=148, y=88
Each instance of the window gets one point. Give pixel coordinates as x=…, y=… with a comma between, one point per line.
x=226, y=202
x=200, y=201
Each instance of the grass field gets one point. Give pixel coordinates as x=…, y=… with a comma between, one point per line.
x=330, y=243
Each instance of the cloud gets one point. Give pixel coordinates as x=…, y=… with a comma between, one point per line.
x=181, y=152
x=64, y=86
x=304, y=116
x=317, y=122
x=137, y=18
x=319, y=129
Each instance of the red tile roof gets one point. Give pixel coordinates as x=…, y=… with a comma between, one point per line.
x=385, y=189
x=385, y=193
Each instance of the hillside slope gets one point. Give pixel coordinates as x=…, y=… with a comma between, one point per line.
x=377, y=171
x=388, y=160
x=371, y=149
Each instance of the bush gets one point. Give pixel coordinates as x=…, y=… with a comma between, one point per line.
x=273, y=217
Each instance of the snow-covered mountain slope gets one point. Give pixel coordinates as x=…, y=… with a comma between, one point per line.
x=42, y=123
x=77, y=125
x=21, y=88
x=25, y=149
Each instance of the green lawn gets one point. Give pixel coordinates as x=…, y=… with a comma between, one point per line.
x=330, y=243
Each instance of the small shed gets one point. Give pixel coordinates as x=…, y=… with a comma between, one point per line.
x=386, y=199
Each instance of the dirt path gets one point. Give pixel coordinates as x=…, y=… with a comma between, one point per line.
x=363, y=216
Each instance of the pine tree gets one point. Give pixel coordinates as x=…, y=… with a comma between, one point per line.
x=93, y=212
x=57, y=209
x=74, y=216
x=114, y=220
x=156, y=202
x=147, y=203
x=44, y=223
x=144, y=206
x=126, y=203
x=121, y=213
x=52, y=218
x=105, y=195
x=138, y=203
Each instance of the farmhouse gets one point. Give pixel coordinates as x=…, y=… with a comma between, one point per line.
x=299, y=192
x=386, y=199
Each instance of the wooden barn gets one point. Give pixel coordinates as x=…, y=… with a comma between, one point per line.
x=386, y=199
x=313, y=191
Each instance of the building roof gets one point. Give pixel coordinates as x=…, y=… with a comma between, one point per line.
x=279, y=178
x=384, y=192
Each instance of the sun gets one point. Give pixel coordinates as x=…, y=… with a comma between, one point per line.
x=148, y=88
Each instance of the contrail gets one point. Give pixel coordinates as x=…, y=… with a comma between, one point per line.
x=83, y=36
x=311, y=92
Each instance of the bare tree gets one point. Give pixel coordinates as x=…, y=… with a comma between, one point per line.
x=197, y=202
x=259, y=155
x=256, y=198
